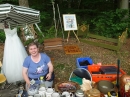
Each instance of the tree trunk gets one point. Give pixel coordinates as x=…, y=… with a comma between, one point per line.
x=24, y=3
x=124, y=4
x=69, y=3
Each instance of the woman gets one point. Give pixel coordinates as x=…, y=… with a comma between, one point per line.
x=37, y=65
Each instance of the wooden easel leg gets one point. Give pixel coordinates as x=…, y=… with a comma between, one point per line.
x=68, y=36
x=76, y=36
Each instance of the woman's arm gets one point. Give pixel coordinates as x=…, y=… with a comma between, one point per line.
x=50, y=66
x=25, y=76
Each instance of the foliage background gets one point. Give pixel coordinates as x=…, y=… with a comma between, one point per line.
x=104, y=16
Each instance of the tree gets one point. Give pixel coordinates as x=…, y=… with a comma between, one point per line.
x=124, y=4
x=24, y=3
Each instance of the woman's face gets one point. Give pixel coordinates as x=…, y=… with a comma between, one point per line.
x=33, y=50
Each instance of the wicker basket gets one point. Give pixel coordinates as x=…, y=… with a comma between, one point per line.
x=69, y=85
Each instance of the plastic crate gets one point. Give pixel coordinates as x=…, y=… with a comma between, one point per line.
x=97, y=76
x=83, y=59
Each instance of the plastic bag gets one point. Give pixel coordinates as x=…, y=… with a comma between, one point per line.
x=33, y=89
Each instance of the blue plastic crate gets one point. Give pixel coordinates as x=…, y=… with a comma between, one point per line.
x=83, y=59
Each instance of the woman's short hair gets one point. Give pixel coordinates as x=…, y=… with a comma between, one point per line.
x=33, y=43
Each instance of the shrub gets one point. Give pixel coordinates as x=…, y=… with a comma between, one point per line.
x=111, y=23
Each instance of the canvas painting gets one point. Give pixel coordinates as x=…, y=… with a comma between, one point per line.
x=70, y=22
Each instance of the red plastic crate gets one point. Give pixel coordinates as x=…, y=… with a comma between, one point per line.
x=98, y=77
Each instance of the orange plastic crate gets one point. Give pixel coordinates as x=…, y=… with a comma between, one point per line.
x=98, y=77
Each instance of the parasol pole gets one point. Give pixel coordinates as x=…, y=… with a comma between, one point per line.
x=60, y=21
x=54, y=18
x=118, y=73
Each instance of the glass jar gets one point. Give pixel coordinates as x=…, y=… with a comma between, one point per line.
x=93, y=93
x=79, y=93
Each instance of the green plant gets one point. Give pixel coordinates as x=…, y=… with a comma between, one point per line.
x=84, y=22
x=2, y=36
x=60, y=66
x=40, y=37
x=50, y=32
x=111, y=23
x=28, y=41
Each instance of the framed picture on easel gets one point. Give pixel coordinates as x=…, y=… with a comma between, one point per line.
x=69, y=21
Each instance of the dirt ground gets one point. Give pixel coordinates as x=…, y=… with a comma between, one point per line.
x=64, y=64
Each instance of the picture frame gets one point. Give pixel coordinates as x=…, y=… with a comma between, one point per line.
x=69, y=22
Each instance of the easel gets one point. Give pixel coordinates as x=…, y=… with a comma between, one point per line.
x=74, y=34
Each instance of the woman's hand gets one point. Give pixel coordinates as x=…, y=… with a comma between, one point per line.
x=48, y=76
x=27, y=85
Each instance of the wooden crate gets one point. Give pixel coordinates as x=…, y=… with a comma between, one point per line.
x=54, y=43
x=72, y=49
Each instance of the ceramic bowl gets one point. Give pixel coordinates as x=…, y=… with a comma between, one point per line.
x=105, y=86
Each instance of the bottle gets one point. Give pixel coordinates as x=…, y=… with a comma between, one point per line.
x=42, y=83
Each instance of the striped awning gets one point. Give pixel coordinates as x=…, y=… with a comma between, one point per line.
x=18, y=15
